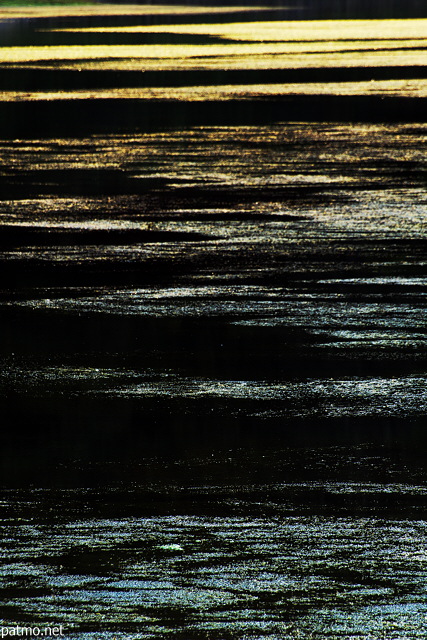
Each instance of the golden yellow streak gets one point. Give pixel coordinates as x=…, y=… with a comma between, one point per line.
x=292, y=54
x=407, y=88
x=112, y=10
x=298, y=30
x=315, y=61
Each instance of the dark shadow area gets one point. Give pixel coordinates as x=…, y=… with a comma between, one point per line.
x=57, y=118
x=39, y=79
x=42, y=435
x=53, y=419
x=67, y=39
x=21, y=237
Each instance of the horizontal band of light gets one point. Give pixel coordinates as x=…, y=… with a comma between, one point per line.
x=113, y=10
x=409, y=88
x=291, y=56
x=292, y=30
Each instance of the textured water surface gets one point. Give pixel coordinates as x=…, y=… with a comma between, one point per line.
x=213, y=322
x=281, y=575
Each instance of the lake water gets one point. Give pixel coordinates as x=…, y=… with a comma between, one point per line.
x=213, y=323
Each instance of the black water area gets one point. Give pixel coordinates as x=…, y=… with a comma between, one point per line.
x=42, y=119
x=39, y=79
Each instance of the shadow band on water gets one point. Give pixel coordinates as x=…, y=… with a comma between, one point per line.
x=57, y=118
x=39, y=79
x=43, y=435
x=22, y=237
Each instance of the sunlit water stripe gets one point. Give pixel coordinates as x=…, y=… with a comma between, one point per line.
x=230, y=63
x=291, y=576
x=281, y=44
x=364, y=215
x=193, y=50
x=331, y=398
x=252, y=305
x=408, y=88
x=396, y=214
x=51, y=11
x=289, y=31
x=237, y=156
x=251, y=56
x=399, y=280
x=404, y=396
x=226, y=154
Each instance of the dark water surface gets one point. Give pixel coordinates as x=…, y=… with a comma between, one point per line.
x=213, y=340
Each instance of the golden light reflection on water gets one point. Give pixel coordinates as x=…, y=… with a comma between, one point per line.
x=225, y=62
x=109, y=9
x=247, y=45
x=288, y=31
x=410, y=88
x=290, y=54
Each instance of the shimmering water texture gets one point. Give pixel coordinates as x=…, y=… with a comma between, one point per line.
x=242, y=41
x=221, y=576
x=213, y=323
x=269, y=274
x=265, y=45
